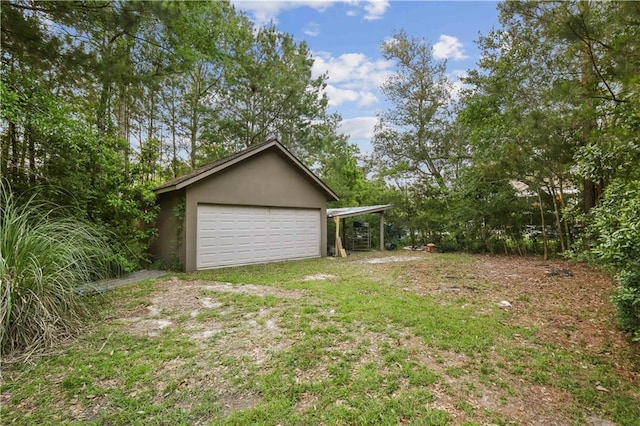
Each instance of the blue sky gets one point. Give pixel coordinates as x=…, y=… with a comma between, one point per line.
x=345, y=38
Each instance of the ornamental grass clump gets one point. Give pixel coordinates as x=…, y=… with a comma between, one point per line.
x=44, y=258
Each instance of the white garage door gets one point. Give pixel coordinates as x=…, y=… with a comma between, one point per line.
x=236, y=235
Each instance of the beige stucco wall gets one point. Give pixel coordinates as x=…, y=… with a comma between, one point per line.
x=170, y=242
x=266, y=179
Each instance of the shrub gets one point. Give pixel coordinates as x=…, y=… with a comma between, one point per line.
x=627, y=299
x=616, y=224
x=43, y=259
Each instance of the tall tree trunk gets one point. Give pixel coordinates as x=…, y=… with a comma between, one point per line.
x=123, y=127
x=545, y=242
x=152, y=107
x=171, y=107
x=174, y=159
x=103, y=109
x=195, y=115
x=174, y=145
x=556, y=210
x=32, y=154
x=436, y=173
x=433, y=169
x=23, y=153
x=15, y=155
x=591, y=190
x=193, y=130
x=565, y=221
x=7, y=144
x=590, y=194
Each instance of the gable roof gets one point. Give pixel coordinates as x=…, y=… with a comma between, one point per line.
x=233, y=159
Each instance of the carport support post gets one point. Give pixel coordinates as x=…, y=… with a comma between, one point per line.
x=340, y=251
x=381, y=230
x=336, y=219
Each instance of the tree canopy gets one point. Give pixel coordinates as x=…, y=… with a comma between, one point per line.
x=540, y=153
x=103, y=100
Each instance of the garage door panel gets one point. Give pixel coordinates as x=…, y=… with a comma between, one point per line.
x=237, y=235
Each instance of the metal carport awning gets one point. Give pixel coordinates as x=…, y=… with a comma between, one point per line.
x=344, y=212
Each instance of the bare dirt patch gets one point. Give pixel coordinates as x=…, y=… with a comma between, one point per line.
x=318, y=277
x=177, y=298
x=253, y=339
x=391, y=259
x=570, y=309
x=224, y=331
x=569, y=304
x=482, y=396
x=251, y=289
x=252, y=335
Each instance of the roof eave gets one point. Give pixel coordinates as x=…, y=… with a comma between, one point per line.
x=166, y=189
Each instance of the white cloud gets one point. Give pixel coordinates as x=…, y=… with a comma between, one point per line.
x=358, y=127
x=312, y=29
x=457, y=85
x=266, y=11
x=360, y=131
x=352, y=69
x=449, y=47
x=339, y=69
x=375, y=9
x=367, y=99
x=352, y=77
x=337, y=96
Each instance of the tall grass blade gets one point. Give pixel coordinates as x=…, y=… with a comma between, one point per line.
x=44, y=256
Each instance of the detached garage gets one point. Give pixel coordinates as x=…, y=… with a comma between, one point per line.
x=259, y=205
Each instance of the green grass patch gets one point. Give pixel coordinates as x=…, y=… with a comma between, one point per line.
x=357, y=348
